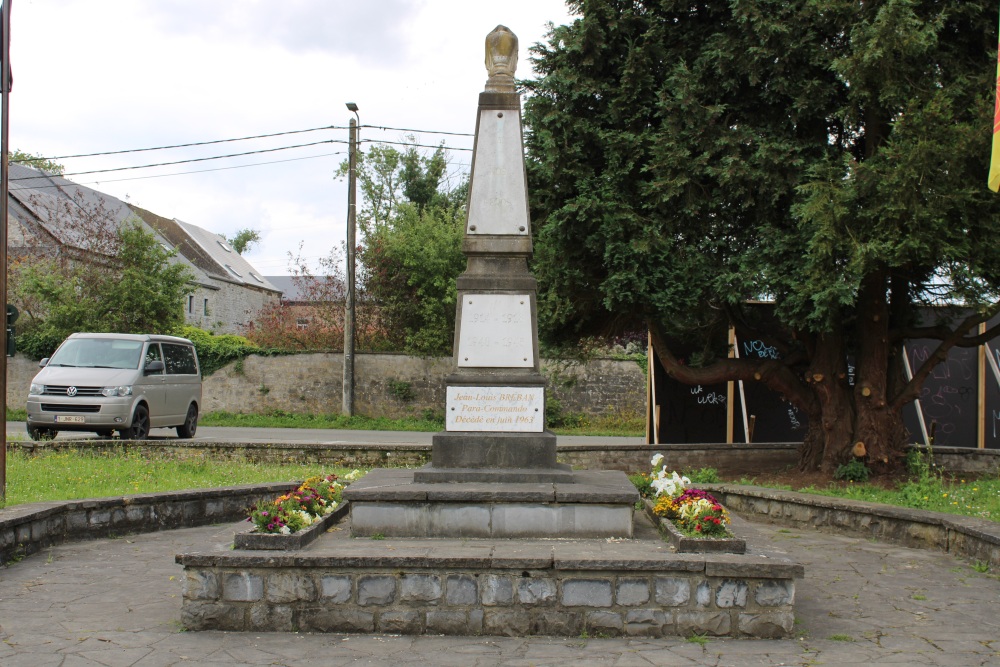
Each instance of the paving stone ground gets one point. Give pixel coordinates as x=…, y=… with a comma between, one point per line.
x=116, y=603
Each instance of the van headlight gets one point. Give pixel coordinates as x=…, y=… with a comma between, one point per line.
x=36, y=389
x=123, y=390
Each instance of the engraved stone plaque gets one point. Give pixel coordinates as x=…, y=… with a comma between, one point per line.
x=498, y=202
x=496, y=331
x=520, y=409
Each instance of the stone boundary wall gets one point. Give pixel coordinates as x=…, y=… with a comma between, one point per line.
x=971, y=538
x=29, y=528
x=513, y=596
x=388, y=385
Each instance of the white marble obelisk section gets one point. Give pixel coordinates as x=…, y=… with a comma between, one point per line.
x=498, y=204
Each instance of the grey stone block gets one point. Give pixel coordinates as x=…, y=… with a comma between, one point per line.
x=775, y=593
x=632, y=592
x=99, y=519
x=506, y=622
x=605, y=622
x=376, y=590
x=475, y=621
x=536, y=591
x=731, y=594
x=672, y=591
x=447, y=622
x=561, y=623
x=201, y=585
x=242, y=587
x=586, y=593
x=767, y=625
x=289, y=587
x=461, y=590
x=271, y=618
x=703, y=594
x=76, y=521
x=335, y=588
x=703, y=622
x=644, y=622
x=403, y=622
x=334, y=619
x=212, y=616
x=496, y=590
x=422, y=587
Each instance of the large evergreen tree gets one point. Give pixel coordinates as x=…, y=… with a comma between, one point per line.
x=829, y=155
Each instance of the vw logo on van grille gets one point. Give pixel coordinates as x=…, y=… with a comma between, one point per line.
x=71, y=391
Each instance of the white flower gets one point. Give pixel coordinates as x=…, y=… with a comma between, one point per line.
x=353, y=475
x=656, y=460
x=285, y=530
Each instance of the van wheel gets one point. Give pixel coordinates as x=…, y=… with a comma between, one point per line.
x=190, y=425
x=139, y=430
x=36, y=433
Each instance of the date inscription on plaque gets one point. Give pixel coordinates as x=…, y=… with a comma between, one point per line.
x=496, y=331
x=496, y=409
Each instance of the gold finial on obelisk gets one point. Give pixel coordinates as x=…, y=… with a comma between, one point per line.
x=501, y=60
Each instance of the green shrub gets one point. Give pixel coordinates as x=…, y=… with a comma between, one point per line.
x=38, y=343
x=855, y=471
x=704, y=476
x=215, y=351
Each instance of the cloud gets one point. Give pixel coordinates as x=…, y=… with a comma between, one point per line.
x=373, y=31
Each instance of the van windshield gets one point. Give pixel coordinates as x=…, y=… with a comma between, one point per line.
x=98, y=353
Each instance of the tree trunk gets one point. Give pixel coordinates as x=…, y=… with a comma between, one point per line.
x=878, y=427
x=830, y=429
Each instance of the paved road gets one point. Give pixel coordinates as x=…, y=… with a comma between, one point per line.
x=116, y=603
x=327, y=436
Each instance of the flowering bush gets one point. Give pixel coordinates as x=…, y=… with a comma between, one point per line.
x=299, y=508
x=693, y=511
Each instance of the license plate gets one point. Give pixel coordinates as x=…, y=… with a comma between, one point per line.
x=69, y=419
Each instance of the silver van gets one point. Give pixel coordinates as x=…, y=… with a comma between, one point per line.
x=116, y=382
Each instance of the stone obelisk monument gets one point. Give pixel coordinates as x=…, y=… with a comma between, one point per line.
x=495, y=411
x=493, y=471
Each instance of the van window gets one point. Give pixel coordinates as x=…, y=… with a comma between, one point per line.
x=153, y=354
x=179, y=359
x=97, y=353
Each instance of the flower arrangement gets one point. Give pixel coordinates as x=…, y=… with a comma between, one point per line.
x=299, y=508
x=694, y=512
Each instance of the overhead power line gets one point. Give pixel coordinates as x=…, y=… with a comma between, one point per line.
x=405, y=143
x=196, y=143
x=405, y=129
x=200, y=159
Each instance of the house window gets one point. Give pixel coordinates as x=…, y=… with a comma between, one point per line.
x=206, y=308
x=233, y=271
x=256, y=277
x=190, y=303
x=224, y=246
x=302, y=323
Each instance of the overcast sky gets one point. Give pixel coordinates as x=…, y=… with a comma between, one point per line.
x=104, y=75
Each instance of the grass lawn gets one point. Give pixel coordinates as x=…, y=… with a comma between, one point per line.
x=70, y=475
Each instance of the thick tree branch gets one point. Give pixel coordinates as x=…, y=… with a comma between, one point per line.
x=774, y=373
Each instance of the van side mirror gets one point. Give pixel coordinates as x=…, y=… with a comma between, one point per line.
x=155, y=366
x=43, y=363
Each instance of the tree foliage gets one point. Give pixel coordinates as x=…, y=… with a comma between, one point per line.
x=244, y=239
x=411, y=219
x=122, y=281
x=829, y=156
x=36, y=161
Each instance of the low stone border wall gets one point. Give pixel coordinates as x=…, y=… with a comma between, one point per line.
x=27, y=529
x=975, y=539
x=455, y=591
x=736, y=459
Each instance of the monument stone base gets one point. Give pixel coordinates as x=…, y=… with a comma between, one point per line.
x=592, y=504
x=503, y=458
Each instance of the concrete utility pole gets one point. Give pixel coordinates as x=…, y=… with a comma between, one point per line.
x=4, y=123
x=348, y=406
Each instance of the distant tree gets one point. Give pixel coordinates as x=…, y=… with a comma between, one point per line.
x=36, y=161
x=411, y=217
x=244, y=239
